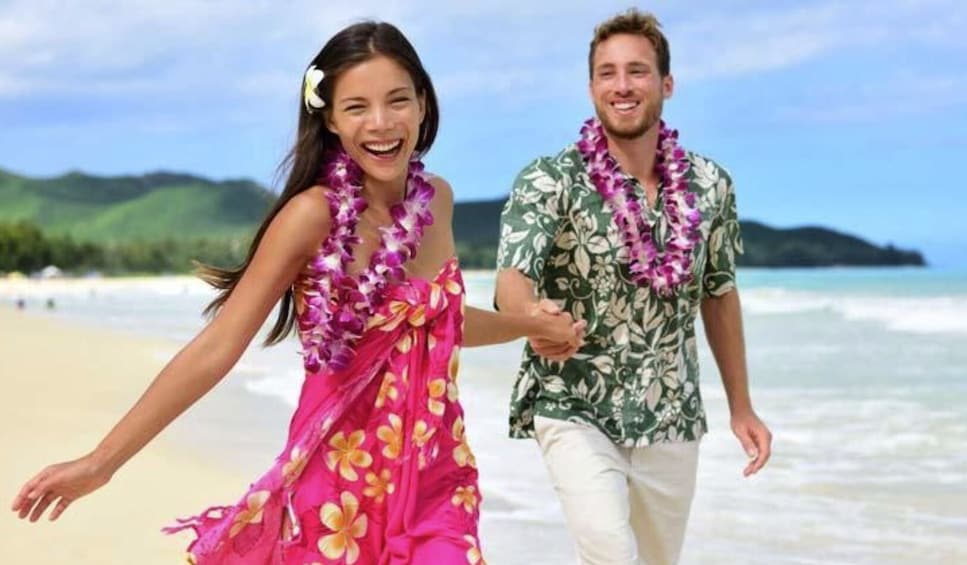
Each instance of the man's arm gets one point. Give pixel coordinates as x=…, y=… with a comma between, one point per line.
x=722, y=317
x=515, y=294
x=528, y=225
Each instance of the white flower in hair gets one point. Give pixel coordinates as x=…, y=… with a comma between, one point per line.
x=310, y=95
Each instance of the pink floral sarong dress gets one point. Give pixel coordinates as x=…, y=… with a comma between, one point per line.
x=376, y=469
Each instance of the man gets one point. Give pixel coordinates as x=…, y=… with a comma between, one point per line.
x=632, y=235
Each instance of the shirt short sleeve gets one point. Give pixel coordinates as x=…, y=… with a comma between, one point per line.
x=530, y=219
x=724, y=244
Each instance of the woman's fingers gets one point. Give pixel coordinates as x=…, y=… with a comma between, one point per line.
x=550, y=349
x=33, y=497
x=26, y=495
x=41, y=506
x=59, y=508
x=62, y=484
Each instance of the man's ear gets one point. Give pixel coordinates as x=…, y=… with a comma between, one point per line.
x=667, y=86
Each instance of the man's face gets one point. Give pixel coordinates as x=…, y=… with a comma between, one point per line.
x=626, y=87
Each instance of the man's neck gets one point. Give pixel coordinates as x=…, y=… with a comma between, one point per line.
x=636, y=157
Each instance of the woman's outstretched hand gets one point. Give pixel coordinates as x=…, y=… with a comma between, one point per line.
x=60, y=485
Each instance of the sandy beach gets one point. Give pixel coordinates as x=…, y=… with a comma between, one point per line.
x=63, y=387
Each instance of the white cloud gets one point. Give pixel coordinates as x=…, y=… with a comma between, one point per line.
x=237, y=57
x=710, y=40
x=12, y=86
x=109, y=43
x=718, y=44
x=519, y=85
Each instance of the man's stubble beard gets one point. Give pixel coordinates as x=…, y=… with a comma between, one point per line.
x=651, y=117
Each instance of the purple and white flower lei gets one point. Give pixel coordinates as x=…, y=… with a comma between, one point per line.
x=337, y=305
x=666, y=270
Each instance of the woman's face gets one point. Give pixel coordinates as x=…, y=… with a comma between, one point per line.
x=376, y=112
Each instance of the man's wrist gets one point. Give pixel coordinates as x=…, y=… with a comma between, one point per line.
x=741, y=407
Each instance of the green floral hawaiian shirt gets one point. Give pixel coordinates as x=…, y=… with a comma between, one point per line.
x=636, y=379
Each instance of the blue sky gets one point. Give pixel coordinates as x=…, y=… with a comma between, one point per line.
x=845, y=114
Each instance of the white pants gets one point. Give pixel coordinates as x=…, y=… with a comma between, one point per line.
x=623, y=505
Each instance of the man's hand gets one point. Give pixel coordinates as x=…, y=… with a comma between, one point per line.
x=556, y=351
x=756, y=440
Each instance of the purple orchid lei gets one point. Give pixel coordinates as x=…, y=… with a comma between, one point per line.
x=670, y=268
x=337, y=305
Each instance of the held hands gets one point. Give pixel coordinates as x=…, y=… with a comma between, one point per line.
x=756, y=440
x=62, y=483
x=560, y=336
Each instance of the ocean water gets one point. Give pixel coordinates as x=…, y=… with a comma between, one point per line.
x=860, y=373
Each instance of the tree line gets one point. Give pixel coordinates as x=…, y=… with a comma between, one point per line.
x=26, y=248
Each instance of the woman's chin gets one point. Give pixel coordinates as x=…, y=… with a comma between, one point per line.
x=384, y=169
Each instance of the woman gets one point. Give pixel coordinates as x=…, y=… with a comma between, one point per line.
x=360, y=250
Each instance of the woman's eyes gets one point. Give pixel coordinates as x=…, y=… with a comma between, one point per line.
x=397, y=102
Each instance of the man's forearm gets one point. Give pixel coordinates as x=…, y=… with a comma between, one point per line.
x=515, y=292
x=722, y=317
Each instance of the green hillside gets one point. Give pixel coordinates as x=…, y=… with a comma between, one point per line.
x=476, y=225
x=150, y=207
x=162, y=220
x=816, y=247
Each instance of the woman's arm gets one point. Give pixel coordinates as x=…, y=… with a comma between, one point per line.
x=483, y=327
x=291, y=239
x=284, y=250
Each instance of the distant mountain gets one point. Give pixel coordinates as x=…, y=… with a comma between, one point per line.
x=477, y=225
x=175, y=206
x=149, y=207
x=816, y=247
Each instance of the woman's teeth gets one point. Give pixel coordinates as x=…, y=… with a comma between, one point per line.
x=383, y=149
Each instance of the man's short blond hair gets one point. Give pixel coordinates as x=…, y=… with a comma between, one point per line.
x=633, y=22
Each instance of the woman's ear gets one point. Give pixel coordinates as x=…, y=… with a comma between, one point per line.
x=327, y=119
